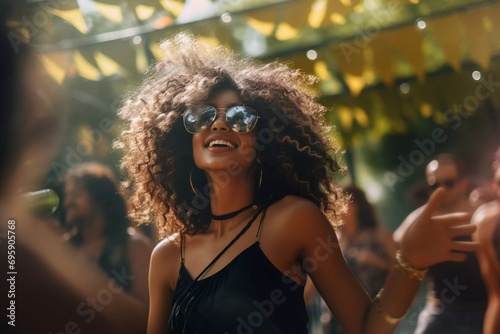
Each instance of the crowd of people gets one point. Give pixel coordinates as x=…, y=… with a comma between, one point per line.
x=233, y=161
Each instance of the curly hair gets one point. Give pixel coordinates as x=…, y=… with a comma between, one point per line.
x=293, y=140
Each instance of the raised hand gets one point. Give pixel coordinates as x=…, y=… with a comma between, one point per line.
x=429, y=240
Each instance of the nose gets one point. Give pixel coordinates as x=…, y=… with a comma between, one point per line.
x=219, y=123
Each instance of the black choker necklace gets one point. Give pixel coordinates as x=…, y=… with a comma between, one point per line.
x=230, y=214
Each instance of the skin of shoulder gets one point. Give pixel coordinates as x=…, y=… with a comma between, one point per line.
x=311, y=237
x=486, y=218
x=168, y=251
x=295, y=219
x=163, y=272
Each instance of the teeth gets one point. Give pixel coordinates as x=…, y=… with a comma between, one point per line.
x=221, y=142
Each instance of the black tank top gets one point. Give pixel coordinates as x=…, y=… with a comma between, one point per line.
x=249, y=295
x=459, y=283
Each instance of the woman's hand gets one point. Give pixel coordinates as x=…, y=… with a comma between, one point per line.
x=429, y=240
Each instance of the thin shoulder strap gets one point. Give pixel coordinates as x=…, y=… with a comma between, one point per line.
x=183, y=245
x=247, y=226
x=259, y=230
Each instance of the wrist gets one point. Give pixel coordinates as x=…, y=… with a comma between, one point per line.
x=387, y=317
x=412, y=271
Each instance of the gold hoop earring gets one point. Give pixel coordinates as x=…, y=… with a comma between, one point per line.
x=192, y=184
x=260, y=180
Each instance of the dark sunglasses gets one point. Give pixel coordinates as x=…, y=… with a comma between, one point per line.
x=449, y=183
x=240, y=119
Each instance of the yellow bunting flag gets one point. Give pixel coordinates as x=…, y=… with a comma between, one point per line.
x=477, y=38
x=447, y=32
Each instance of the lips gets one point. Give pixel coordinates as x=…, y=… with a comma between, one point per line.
x=221, y=143
x=214, y=143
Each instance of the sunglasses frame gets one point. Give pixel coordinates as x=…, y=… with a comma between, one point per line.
x=217, y=112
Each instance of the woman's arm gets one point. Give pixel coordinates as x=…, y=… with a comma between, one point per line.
x=162, y=278
x=428, y=241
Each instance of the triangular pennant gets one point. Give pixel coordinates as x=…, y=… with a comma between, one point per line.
x=295, y=17
x=297, y=13
x=447, y=32
x=264, y=21
x=493, y=15
x=107, y=65
x=144, y=12
x=110, y=12
x=351, y=65
x=383, y=59
x=123, y=53
x=335, y=13
x=55, y=64
x=174, y=7
x=407, y=42
x=477, y=38
x=72, y=16
x=85, y=68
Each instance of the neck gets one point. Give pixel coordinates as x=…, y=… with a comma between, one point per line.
x=229, y=196
x=231, y=214
x=221, y=228
x=230, y=193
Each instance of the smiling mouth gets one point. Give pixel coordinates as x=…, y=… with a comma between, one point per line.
x=220, y=143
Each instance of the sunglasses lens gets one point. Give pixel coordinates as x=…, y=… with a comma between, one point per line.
x=198, y=119
x=241, y=118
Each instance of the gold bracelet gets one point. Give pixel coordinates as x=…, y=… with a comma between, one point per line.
x=408, y=268
x=390, y=319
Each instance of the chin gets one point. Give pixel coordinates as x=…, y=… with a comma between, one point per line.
x=213, y=163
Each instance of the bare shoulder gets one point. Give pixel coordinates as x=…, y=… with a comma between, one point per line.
x=486, y=218
x=296, y=210
x=168, y=248
x=296, y=218
x=485, y=211
x=294, y=228
x=165, y=259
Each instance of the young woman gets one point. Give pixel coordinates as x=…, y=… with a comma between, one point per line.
x=97, y=211
x=367, y=246
x=233, y=161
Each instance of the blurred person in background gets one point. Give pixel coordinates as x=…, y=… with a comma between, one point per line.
x=46, y=291
x=94, y=206
x=487, y=219
x=367, y=247
x=456, y=298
